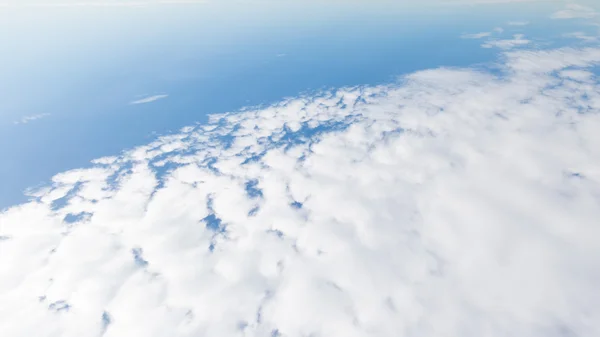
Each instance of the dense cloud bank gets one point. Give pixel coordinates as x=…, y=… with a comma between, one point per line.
x=458, y=202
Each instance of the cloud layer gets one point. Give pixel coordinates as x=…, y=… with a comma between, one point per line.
x=455, y=203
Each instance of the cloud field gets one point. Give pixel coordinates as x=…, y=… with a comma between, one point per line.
x=456, y=202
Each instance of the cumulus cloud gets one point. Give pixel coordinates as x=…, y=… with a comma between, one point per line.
x=149, y=99
x=31, y=118
x=575, y=11
x=517, y=41
x=457, y=202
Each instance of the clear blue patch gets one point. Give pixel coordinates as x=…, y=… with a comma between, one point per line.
x=252, y=190
x=397, y=131
x=113, y=180
x=106, y=320
x=59, y=306
x=162, y=172
x=297, y=205
x=72, y=218
x=138, y=258
x=213, y=223
x=64, y=201
x=226, y=141
x=306, y=134
x=576, y=175
x=210, y=164
x=254, y=158
x=254, y=211
x=276, y=232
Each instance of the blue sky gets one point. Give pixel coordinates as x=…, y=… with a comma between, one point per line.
x=79, y=67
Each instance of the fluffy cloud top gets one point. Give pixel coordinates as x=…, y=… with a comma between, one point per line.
x=456, y=203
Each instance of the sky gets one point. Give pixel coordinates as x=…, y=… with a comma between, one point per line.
x=208, y=58
x=422, y=177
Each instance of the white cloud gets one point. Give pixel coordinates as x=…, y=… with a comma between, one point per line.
x=517, y=41
x=149, y=99
x=578, y=75
x=456, y=203
x=581, y=36
x=574, y=11
x=497, y=30
x=476, y=35
x=518, y=23
x=31, y=118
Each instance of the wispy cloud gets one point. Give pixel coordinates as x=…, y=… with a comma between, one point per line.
x=480, y=35
x=517, y=41
x=518, y=23
x=434, y=206
x=581, y=36
x=31, y=118
x=149, y=99
x=574, y=11
x=476, y=35
x=497, y=30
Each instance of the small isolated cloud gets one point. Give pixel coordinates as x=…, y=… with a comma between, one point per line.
x=149, y=99
x=517, y=41
x=518, y=23
x=581, y=36
x=476, y=35
x=497, y=30
x=29, y=119
x=574, y=11
x=458, y=202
